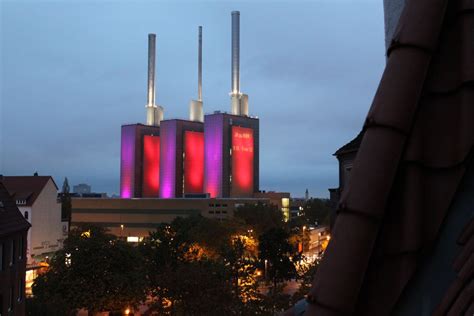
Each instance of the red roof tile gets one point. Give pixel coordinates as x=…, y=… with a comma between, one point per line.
x=419, y=134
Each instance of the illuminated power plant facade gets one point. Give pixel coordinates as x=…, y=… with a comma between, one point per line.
x=231, y=155
x=182, y=158
x=214, y=155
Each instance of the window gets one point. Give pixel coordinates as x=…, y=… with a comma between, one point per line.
x=10, y=300
x=20, y=290
x=26, y=214
x=21, y=244
x=12, y=252
x=211, y=212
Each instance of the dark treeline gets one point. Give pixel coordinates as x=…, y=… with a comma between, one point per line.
x=192, y=266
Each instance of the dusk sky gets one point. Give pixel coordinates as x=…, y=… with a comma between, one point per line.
x=73, y=72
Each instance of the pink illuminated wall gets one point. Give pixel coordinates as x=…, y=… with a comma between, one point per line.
x=193, y=162
x=242, y=161
x=168, y=159
x=213, y=154
x=151, y=166
x=127, y=161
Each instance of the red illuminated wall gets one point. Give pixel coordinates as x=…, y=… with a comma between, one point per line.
x=151, y=166
x=242, y=162
x=193, y=162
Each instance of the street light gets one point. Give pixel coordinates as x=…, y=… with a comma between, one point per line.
x=302, y=240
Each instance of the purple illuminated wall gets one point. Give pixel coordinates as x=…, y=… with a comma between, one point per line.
x=127, y=161
x=213, y=155
x=168, y=158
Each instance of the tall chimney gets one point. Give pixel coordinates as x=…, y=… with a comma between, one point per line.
x=200, y=65
x=150, y=107
x=235, y=52
x=195, y=106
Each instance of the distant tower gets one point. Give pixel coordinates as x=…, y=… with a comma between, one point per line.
x=65, y=186
x=306, y=195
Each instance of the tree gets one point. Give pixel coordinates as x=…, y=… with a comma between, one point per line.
x=306, y=273
x=95, y=271
x=260, y=217
x=275, y=250
x=317, y=210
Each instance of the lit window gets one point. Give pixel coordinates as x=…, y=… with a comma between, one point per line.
x=133, y=239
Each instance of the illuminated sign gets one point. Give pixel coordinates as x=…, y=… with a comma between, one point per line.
x=151, y=166
x=242, y=161
x=193, y=162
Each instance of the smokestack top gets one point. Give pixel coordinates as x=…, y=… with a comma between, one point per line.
x=151, y=106
x=200, y=64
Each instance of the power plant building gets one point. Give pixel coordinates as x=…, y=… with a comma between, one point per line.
x=214, y=155
x=231, y=155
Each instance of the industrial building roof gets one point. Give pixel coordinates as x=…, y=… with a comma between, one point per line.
x=26, y=188
x=11, y=219
x=418, y=140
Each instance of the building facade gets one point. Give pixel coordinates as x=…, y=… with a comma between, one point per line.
x=137, y=217
x=182, y=158
x=36, y=198
x=81, y=188
x=231, y=155
x=140, y=161
x=13, y=241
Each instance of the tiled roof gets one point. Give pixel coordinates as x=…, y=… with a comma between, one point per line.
x=11, y=219
x=351, y=146
x=26, y=188
x=459, y=297
x=419, y=134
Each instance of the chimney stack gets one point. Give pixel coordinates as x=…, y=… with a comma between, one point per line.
x=239, y=101
x=154, y=113
x=195, y=106
x=200, y=65
x=235, y=52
